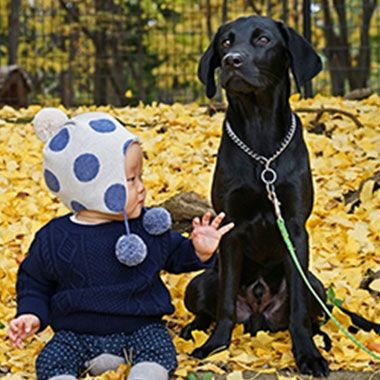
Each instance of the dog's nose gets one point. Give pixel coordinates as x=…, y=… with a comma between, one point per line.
x=233, y=60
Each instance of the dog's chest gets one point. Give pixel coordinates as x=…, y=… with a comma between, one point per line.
x=243, y=196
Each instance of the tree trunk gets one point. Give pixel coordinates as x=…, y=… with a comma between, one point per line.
x=224, y=11
x=101, y=43
x=284, y=16
x=338, y=48
x=332, y=52
x=140, y=54
x=209, y=25
x=117, y=75
x=269, y=8
x=358, y=77
x=253, y=6
x=14, y=31
x=67, y=76
x=101, y=69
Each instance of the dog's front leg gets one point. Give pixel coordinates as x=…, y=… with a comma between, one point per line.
x=309, y=360
x=230, y=265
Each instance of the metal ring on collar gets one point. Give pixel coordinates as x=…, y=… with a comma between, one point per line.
x=269, y=181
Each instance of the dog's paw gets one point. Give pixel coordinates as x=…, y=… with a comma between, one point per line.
x=198, y=353
x=200, y=322
x=186, y=331
x=206, y=350
x=314, y=364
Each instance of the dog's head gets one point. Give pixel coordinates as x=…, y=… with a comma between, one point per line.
x=256, y=52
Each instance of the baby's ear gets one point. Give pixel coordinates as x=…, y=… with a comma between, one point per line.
x=48, y=122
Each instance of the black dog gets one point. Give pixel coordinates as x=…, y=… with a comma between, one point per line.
x=255, y=280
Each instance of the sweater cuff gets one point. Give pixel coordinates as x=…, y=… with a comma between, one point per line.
x=37, y=307
x=211, y=261
x=205, y=264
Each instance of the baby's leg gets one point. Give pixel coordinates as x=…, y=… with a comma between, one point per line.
x=60, y=359
x=153, y=353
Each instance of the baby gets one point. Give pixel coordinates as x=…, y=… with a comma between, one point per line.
x=93, y=275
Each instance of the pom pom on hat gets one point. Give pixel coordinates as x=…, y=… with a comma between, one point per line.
x=131, y=250
x=48, y=122
x=157, y=221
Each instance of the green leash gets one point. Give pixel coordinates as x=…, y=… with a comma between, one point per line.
x=285, y=236
x=269, y=177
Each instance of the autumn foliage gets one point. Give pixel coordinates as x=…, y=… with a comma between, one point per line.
x=180, y=144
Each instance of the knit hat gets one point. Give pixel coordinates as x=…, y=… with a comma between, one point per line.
x=84, y=165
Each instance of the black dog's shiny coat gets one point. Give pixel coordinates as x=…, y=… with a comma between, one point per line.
x=255, y=281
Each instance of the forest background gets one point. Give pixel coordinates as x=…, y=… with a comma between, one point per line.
x=137, y=59
x=122, y=51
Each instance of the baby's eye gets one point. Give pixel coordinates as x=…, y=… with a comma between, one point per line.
x=131, y=179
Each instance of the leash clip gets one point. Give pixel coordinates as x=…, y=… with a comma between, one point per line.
x=273, y=198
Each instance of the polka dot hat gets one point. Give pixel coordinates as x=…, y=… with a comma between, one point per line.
x=84, y=165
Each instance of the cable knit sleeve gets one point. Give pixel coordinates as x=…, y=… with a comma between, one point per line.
x=182, y=257
x=35, y=284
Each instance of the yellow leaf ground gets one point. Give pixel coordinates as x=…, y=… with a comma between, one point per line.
x=180, y=143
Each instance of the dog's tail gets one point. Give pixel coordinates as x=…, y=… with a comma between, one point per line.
x=357, y=321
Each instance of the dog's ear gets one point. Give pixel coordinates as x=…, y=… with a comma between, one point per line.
x=210, y=60
x=305, y=63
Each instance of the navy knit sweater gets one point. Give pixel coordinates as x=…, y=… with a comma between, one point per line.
x=72, y=280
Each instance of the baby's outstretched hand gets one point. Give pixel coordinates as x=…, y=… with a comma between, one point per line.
x=206, y=235
x=21, y=328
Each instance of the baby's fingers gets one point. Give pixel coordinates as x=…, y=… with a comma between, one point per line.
x=15, y=338
x=13, y=326
x=206, y=218
x=228, y=227
x=196, y=222
x=217, y=220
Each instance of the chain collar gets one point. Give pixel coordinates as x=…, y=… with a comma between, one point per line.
x=268, y=175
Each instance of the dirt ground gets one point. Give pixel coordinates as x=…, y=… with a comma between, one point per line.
x=339, y=375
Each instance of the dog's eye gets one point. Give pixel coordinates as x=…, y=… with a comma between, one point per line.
x=263, y=40
x=226, y=43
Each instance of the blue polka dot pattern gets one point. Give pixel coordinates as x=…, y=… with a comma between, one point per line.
x=126, y=145
x=51, y=181
x=60, y=141
x=76, y=206
x=115, y=197
x=102, y=125
x=85, y=157
x=86, y=167
x=67, y=352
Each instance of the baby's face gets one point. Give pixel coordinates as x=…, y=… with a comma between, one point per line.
x=136, y=189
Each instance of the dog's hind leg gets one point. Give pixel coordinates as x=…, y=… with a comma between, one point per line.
x=326, y=339
x=316, y=311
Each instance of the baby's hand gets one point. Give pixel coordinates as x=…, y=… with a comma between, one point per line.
x=206, y=236
x=21, y=328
